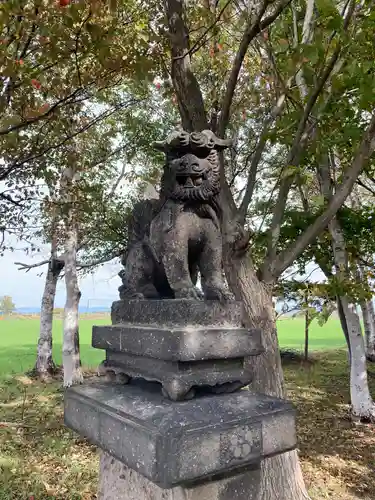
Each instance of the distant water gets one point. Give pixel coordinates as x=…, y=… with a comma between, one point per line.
x=36, y=310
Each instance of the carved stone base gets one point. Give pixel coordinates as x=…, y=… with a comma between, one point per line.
x=179, y=379
x=180, y=443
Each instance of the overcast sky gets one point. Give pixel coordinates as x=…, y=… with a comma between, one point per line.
x=26, y=289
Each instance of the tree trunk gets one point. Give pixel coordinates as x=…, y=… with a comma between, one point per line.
x=44, y=366
x=307, y=335
x=281, y=475
x=71, y=355
x=362, y=403
x=343, y=323
x=368, y=314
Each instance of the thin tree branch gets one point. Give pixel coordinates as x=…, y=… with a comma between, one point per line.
x=198, y=43
x=27, y=267
x=77, y=47
x=362, y=184
x=252, y=30
x=365, y=150
x=257, y=157
x=300, y=139
x=97, y=262
x=118, y=180
x=97, y=119
x=30, y=121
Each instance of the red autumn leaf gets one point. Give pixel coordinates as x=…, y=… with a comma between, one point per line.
x=158, y=85
x=219, y=46
x=44, y=108
x=64, y=3
x=36, y=83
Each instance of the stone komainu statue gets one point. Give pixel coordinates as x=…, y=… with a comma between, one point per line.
x=173, y=238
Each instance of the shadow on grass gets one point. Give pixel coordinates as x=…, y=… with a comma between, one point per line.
x=39, y=456
x=335, y=451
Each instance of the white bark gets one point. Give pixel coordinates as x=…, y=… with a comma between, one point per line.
x=306, y=38
x=368, y=314
x=362, y=404
x=71, y=355
x=44, y=365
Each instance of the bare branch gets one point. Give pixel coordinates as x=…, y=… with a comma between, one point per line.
x=365, y=150
x=97, y=262
x=27, y=267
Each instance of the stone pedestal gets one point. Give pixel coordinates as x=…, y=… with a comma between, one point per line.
x=185, y=345
x=191, y=441
x=118, y=482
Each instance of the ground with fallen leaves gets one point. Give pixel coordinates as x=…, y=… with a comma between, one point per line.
x=41, y=459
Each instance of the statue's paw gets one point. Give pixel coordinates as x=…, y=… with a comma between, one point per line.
x=215, y=293
x=130, y=295
x=187, y=293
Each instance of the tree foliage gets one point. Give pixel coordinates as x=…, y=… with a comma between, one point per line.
x=7, y=305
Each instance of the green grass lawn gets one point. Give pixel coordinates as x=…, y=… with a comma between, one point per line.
x=18, y=339
x=41, y=459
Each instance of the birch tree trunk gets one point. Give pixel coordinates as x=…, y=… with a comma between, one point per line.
x=368, y=314
x=361, y=400
x=363, y=407
x=44, y=366
x=71, y=354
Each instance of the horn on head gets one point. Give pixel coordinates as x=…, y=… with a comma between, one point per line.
x=179, y=138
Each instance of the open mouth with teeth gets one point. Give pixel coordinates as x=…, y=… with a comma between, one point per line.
x=189, y=181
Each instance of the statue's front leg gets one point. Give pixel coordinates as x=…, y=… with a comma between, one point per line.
x=175, y=261
x=210, y=266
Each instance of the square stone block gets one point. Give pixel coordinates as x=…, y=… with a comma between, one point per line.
x=178, y=312
x=178, y=344
x=178, y=443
